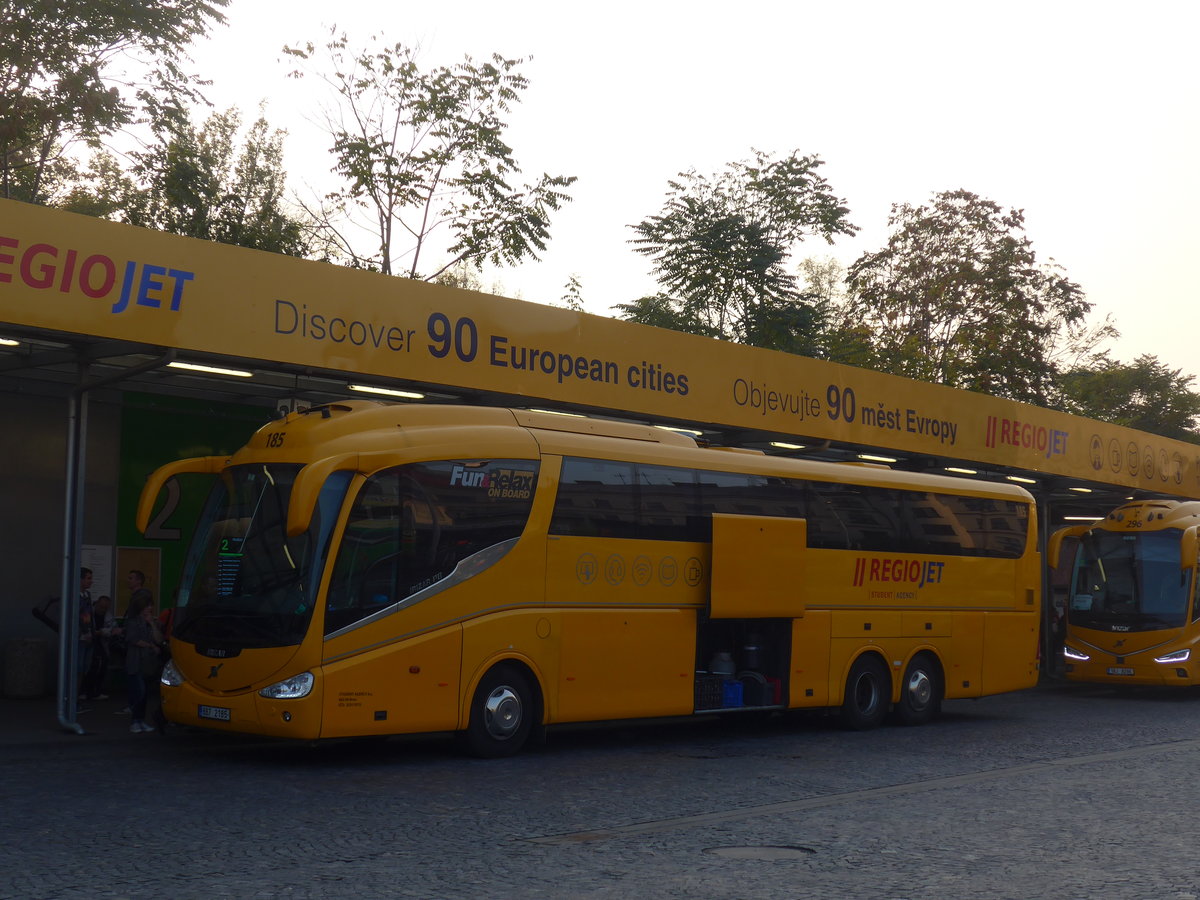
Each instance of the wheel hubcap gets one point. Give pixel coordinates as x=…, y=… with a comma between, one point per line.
x=920, y=689
x=502, y=713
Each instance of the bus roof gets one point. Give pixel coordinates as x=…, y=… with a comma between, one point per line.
x=369, y=426
x=1156, y=513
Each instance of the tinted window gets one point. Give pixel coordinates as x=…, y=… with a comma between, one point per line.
x=668, y=504
x=599, y=498
x=411, y=526
x=854, y=517
x=1129, y=582
x=246, y=582
x=859, y=517
x=979, y=525
x=596, y=498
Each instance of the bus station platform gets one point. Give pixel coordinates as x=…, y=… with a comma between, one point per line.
x=34, y=722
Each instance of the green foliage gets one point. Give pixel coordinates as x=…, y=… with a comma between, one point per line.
x=842, y=338
x=572, y=297
x=661, y=312
x=958, y=297
x=1146, y=395
x=462, y=276
x=720, y=248
x=57, y=79
x=200, y=183
x=423, y=151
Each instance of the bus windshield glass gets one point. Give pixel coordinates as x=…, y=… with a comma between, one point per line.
x=245, y=583
x=1129, y=582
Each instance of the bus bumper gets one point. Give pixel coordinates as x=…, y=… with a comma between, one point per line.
x=244, y=713
x=1151, y=673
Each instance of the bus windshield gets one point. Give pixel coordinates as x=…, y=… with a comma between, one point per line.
x=1129, y=582
x=245, y=583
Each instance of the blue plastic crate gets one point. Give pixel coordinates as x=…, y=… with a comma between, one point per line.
x=731, y=693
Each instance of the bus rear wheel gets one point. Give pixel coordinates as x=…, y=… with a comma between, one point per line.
x=868, y=694
x=501, y=713
x=921, y=691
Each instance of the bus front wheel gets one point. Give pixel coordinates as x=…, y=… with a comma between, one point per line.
x=501, y=713
x=868, y=693
x=920, y=692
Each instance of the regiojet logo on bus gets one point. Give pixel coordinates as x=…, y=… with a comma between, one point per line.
x=877, y=569
x=46, y=266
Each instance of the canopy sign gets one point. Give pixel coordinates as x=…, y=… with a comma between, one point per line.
x=78, y=274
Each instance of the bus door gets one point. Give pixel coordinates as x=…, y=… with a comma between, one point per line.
x=756, y=594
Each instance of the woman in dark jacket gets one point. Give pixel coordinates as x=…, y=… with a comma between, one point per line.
x=143, y=643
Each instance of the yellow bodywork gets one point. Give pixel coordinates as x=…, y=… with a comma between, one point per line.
x=1128, y=657
x=608, y=628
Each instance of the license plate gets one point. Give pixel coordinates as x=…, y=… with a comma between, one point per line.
x=1119, y=670
x=220, y=713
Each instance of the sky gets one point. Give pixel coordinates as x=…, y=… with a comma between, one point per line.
x=1084, y=115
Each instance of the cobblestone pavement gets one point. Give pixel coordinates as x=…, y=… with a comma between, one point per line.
x=1061, y=792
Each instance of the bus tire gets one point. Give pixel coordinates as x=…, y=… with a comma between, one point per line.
x=501, y=713
x=868, y=693
x=921, y=691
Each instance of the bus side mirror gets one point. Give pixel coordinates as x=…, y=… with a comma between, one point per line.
x=307, y=487
x=1054, y=545
x=311, y=479
x=1188, y=547
x=197, y=465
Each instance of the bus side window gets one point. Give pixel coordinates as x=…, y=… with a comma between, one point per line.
x=668, y=504
x=596, y=498
x=826, y=529
x=364, y=574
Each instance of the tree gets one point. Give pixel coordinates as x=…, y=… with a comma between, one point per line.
x=720, y=248
x=661, y=311
x=1147, y=395
x=572, y=297
x=57, y=80
x=843, y=339
x=958, y=297
x=200, y=183
x=423, y=152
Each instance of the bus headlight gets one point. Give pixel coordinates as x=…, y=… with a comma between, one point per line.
x=1177, y=657
x=1077, y=655
x=171, y=676
x=290, y=688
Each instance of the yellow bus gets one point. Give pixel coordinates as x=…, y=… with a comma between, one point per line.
x=1130, y=610
x=369, y=569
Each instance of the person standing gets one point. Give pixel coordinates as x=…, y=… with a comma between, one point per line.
x=143, y=644
x=103, y=628
x=87, y=632
x=139, y=594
